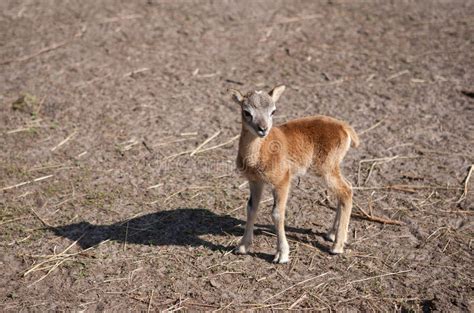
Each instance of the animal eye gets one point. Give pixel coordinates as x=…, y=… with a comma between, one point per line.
x=247, y=113
x=273, y=112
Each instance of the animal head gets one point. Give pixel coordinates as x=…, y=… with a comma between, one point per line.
x=257, y=108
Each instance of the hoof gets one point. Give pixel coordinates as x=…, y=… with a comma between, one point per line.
x=241, y=249
x=330, y=236
x=336, y=250
x=281, y=258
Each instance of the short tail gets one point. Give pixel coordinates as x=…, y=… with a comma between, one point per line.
x=354, y=138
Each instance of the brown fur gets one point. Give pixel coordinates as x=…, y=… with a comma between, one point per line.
x=318, y=143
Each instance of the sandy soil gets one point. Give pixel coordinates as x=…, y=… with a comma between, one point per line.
x=101, y=103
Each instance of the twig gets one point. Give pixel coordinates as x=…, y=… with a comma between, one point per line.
x=372, y=127
x=205, y=143
x=435, y=232
x=82, y=252
x=64, y=141
x=224, y=308
x=369, y=203
x=126, y=237
x=293, y=286
x=21, y=129
x=40, y=105
x=54, y=257
x=371, y=76
x=127, y=145
x=55, y=266
x=47, y=49
x=39, y=217
x=177, y=154
x=407, y=188
x=375, y=218
x=243, y=184
x=28, y=127
x=378, y=276
x=133, y=73
x=155, y=186
x=225, y=273
x=208, y=75
x=149, y=302
x=398, y=74
x=219, y=145
x=235, y=81
x=183, y=190
x=304, y=296
x=12, y=220
x=81, y=154
x=172, y=141
x=27, y=182
x=147, y=147
x=174, y=194
x=202, y=304
x=257, y=306
x=177, y=306
x=378, y=161
x=466, y=182
x=446, y=246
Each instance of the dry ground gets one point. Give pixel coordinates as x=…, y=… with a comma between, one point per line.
x=101, y=103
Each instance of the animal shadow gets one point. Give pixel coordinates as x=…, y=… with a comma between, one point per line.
x=180, y=227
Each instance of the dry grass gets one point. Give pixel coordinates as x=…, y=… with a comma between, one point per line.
x=118, y=188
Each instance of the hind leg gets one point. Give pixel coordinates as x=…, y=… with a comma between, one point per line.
x=331, y=235
x=343, y=192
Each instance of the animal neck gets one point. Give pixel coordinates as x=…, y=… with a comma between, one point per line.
x=250, y=145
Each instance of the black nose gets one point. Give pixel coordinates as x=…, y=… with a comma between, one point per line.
x=260, y=128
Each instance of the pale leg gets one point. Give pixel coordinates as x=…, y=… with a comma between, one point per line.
x=280, y=195
x=331, y=235
x=343, y=192
x=256, y=190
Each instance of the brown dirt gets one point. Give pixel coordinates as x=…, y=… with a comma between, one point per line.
x=111, y=87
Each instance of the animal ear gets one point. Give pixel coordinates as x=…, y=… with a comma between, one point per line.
x=276, y=92
x=236, y=95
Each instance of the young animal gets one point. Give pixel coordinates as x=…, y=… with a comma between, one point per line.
x=274, y=155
